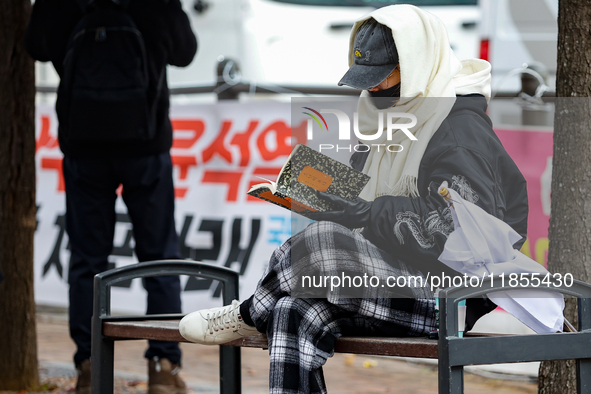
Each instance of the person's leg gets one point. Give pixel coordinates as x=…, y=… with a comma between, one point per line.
x=302, y=334
x=323, y=249
x=90, y=223
x=302, y=331
x=148, y=193
x=326, y=250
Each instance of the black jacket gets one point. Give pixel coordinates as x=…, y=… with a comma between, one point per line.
x=168, y=38
x=466, y=153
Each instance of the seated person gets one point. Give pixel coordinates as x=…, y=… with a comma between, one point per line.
x=399, y=55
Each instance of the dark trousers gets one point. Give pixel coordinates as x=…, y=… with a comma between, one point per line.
x=148, y=193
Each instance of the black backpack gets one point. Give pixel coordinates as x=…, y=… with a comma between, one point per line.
x=104, y=93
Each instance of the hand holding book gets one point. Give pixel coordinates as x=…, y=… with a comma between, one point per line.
x=353, y=214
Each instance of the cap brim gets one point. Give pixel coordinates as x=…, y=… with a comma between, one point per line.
x=366, y=77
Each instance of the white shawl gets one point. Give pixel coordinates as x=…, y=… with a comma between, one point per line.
x=429, y=70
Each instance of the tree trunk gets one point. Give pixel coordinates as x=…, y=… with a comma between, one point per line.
x=570, y=221
x=18, y=344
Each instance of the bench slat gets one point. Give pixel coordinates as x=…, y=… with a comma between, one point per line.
x=387, y=346
x=159, y=330
x=383, y=346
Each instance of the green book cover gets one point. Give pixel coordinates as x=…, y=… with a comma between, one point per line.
x=305, y=171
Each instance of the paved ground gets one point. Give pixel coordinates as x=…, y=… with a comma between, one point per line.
x=346, y=374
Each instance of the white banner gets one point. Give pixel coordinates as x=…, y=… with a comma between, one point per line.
x=218, y=152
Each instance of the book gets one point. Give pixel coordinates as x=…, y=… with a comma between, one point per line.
x=305, y=171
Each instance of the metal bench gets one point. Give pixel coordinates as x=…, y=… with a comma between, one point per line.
x=452, y=351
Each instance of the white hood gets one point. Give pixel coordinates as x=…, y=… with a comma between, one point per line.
x=429, y=70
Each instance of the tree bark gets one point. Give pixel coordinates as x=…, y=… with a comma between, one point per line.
x=18, y=344
x=570, y=221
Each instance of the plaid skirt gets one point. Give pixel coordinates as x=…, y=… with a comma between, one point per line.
x=302, y=330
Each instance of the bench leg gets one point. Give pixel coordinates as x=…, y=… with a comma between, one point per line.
x=451, y=379
x=103, y=351
x=230, y=373
x=584, y=376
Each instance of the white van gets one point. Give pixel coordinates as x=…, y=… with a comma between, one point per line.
x=292, y=42
x=518, y=32
x=300, y=42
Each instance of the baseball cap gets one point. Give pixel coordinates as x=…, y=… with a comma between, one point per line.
x=375, y=56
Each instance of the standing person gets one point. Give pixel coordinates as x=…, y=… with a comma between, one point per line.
x=114, y=129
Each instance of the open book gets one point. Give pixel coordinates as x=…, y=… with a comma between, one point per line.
x=304, y=171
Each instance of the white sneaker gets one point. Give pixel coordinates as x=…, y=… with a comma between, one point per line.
x=215, y=326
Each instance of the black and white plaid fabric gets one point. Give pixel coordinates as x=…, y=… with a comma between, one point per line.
x=302, y=331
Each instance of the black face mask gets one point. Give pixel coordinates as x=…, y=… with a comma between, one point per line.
x=386, y=98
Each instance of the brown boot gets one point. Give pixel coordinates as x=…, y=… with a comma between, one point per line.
x=83, y=382
x=163, y=377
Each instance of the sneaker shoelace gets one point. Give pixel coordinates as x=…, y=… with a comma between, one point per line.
x=225, y=318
